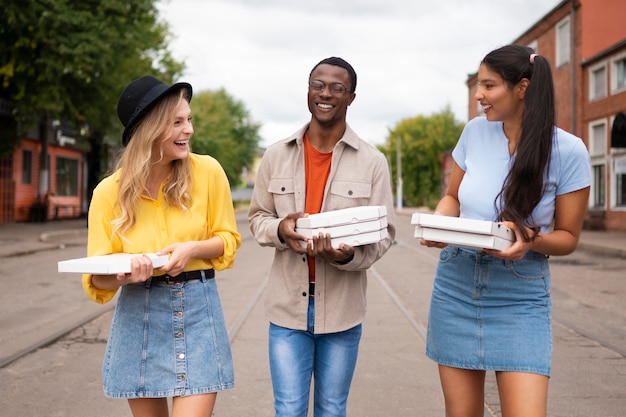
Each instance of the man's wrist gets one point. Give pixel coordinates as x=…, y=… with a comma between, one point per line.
x=345, y=261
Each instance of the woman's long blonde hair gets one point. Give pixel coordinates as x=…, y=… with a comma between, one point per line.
x=137, y=159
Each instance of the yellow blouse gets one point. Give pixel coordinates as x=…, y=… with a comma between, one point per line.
x=158, y=225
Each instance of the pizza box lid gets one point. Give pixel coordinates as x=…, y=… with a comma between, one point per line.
x=357, y=240
x=483, y=227
x=342, y=216
x=463, y=239
x=346, y=229
x=108, y=264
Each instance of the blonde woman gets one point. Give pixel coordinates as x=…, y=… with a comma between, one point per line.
x=168, y=337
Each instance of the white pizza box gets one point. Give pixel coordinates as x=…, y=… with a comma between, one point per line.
x=357, y=240
x=468, y=240
x=108, y=264
x=346, y=229
x=342, y=216
x=482, y=227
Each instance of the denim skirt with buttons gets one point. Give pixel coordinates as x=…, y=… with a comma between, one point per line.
x=491, y=314
x=167, y=340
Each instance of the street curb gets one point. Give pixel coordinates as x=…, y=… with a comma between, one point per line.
x=601, y=250
x=63, y=234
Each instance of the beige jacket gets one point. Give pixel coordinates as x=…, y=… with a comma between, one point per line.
x=359, y=176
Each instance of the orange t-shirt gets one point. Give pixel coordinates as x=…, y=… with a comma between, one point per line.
x=316, y=171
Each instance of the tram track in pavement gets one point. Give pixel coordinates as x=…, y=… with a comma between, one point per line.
x=429, y=256
x=50, y=339
x=401, y=304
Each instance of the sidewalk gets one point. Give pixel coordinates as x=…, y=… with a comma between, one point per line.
x=22, y=238
x=603, y=242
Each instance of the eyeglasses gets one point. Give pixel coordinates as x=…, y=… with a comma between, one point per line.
x=319, y=86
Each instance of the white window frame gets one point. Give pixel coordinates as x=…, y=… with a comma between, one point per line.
x=593, y=94
x=597, y=162
x=593, y=141
x=616, y=160
x=563, y=41
x=614, y=61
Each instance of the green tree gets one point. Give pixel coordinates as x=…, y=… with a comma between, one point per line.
x=224, y=130
x=64, y=59
x=423, y=140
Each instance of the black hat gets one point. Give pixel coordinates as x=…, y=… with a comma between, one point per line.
x=139, y=97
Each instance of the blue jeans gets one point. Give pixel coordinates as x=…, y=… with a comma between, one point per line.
x=297, y=355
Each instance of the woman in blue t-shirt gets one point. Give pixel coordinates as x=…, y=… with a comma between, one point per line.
x=491, y=310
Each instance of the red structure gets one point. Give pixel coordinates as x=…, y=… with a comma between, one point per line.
x=20, y=183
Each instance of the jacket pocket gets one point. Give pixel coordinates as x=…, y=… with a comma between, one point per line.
x=281, y=186
x=350, y=192
x=351, y=189
x=282, y=191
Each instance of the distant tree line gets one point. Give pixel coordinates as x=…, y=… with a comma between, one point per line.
x=423, y=140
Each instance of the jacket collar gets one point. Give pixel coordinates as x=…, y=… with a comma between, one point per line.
x=350, y=138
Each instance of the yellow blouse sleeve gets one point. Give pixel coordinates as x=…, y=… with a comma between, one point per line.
x=99, y=231
x=221, y=217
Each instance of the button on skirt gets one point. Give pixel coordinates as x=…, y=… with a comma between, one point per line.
x=167, y=340
x=487, y=313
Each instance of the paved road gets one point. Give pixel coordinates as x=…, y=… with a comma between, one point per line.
x=393, y=376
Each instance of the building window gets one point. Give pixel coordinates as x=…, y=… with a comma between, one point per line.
x=597, y=138
x=597, y=83
x=67, y=176
x=562, y=42
x=619, y=168
x=598, y=188
x=618, y=74
x=620, y=183
x=27, y=167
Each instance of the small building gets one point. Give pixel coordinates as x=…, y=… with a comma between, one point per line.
x=64, y=179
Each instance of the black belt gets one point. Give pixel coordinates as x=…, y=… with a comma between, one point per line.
x=311, y=289
x=184, y=276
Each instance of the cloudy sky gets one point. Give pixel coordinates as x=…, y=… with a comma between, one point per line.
x=412, y=57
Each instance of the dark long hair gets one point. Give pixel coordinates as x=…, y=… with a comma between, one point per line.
x=524, y=185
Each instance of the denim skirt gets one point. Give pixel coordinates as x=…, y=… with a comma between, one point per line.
x=167, y=340
x=488, y=313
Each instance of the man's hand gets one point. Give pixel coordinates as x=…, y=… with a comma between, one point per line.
x=320, y=245
x=287, y=233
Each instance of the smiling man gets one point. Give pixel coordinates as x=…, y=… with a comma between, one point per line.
x=315, y=300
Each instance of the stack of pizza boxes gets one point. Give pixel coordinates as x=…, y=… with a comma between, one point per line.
x=352, y=226
x=469, y=233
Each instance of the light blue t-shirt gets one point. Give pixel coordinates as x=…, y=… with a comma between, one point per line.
x=483, y=153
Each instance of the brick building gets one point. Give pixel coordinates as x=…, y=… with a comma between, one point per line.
x=29, y=193
x=585, y=41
